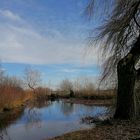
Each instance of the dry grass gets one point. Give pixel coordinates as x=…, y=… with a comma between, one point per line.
x=102, y=94
x=88, y=94
x=11, y=97
x=84, y=88
x=42, y=93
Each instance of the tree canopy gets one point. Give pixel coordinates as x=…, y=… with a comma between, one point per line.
x=118, y=32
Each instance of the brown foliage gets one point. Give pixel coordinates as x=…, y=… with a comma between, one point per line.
x=10, y=96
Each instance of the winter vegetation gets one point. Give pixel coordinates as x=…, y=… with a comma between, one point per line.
x=119, y=38
x=84, y=88
x=116, y=36
x=14, y=91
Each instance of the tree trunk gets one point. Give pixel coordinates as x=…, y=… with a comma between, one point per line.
x=137, y=96
x=125, y=95
x=127, y=76
x=32, y=88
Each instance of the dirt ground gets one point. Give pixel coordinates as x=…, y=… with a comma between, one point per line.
x=117, y=130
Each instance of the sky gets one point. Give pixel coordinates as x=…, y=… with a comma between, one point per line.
x=47, y=35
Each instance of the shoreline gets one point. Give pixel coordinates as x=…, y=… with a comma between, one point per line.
x=118, y=130
x=112, y=130
x=95, y=102
x=8, y=117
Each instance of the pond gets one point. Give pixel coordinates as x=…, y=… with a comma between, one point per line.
x=49, y=120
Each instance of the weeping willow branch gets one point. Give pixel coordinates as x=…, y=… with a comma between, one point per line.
x=136, y=22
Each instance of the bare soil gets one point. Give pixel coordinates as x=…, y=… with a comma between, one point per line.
x=118, y=130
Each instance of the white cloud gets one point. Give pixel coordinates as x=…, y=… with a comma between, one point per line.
x=23, y=44
x=66, y=70
x=10, y=15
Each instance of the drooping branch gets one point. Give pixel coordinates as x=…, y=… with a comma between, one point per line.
x=136, y=22
x=31, y=87
x=134, y=13
x=135, y=51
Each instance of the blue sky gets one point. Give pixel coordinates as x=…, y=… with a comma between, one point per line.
x=48, y=35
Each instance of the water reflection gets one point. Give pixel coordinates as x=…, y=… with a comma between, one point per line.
x=7, y=119
x=39, y=104
x=33, y=118
x=67, y=108
x=4, y=134
x=39, y=121
x=33, y=115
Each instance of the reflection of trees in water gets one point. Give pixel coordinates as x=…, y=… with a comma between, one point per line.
x=8, y=118
x=4, y=134
x=89, y=110
x=67, y=108
x=33, y=118
x=94, y=114
x=39, y=104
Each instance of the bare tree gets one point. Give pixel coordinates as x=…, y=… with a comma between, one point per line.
x=119, y=37
x=2, y=74
x=32, y=78
x=66, y=85
x=12, y=81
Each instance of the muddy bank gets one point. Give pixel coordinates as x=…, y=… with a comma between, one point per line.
x=108, y=102
x=118, y=130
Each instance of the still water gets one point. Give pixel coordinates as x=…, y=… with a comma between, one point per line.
x=49, y=120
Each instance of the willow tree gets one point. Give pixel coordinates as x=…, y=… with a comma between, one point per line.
x=119, y=37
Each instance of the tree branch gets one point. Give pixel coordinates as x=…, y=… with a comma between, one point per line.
x=31, y=88
x=135, y=11
x=136, y=22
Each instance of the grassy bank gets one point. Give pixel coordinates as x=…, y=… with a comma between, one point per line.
x=12, y=97
x=85, y=94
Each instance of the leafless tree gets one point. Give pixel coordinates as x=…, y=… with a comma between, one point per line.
x=66, y=85
x=32, y=78
x=119, y=38
x=2, y=74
